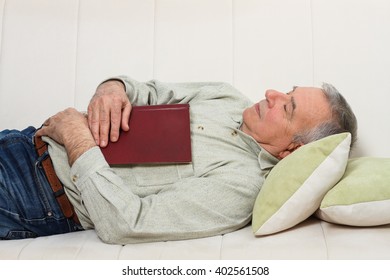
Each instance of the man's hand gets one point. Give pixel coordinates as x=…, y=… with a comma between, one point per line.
x=108, y=112
x=70, y=129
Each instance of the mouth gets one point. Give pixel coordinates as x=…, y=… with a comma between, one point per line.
x=257, y=108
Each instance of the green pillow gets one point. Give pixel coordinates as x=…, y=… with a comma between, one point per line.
x=362, y=197
x=295, y=187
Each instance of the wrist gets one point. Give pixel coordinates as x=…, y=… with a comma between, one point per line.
x=113, y=83
x=78, y=146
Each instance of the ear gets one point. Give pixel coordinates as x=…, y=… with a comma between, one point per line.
x=291, y=148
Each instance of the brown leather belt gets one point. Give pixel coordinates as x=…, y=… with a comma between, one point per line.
x=54, y=182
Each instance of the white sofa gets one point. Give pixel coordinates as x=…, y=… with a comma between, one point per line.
x=55, y=52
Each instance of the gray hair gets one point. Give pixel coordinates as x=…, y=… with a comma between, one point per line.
x=343, y=119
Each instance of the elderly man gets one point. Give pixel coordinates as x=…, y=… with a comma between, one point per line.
x=234, y=144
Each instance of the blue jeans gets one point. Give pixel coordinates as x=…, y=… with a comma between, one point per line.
x=28, y=207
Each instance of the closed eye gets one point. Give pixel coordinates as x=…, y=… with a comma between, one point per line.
x=291, y=103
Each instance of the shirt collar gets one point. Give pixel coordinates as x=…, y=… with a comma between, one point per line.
x=266, y=160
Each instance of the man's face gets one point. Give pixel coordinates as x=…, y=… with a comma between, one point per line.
x=275, y=120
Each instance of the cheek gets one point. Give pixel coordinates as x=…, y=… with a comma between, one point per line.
x=250, y=118
x=277, y=128
x=251, y=124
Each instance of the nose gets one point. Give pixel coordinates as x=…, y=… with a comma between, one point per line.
x=272, y=96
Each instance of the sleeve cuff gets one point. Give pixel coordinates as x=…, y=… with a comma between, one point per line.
x=86, y=165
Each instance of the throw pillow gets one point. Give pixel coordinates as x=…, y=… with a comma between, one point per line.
x=295, y=187
x=362, y=197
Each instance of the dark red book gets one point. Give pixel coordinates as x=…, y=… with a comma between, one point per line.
x=157, y=134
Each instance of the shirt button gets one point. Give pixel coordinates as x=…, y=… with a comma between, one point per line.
x=234, y=133
x=74, y=178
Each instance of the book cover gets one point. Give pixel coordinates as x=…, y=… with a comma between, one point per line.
x=157, y=134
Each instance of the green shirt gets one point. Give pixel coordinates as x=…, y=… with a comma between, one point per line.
x=212, y=195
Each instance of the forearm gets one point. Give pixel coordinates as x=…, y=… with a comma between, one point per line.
x=155, y=92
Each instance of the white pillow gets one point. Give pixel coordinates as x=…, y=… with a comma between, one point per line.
x=295, y=187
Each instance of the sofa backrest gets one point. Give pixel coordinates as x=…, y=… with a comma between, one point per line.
x=54, y=53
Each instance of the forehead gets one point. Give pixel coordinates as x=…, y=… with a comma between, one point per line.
x=311, y=104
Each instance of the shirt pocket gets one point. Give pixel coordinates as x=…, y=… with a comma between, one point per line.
x=154, y=175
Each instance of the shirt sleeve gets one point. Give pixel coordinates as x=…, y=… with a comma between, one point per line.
x=155, y=92
x=190, y=208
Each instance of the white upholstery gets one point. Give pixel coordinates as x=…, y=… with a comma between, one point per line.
x=53, y=54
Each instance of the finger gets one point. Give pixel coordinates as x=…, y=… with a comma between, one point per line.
x=94, y=123
x=40, y=132
x=44, y=130
x=104, y=126
x=115, y=123
x=126, y=116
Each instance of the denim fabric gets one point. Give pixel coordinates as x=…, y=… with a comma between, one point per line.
x=28, y=207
